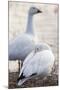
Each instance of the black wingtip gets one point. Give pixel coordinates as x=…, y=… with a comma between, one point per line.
x=34, y=74
x=21, y=77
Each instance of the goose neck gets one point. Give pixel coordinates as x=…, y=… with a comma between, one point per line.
x=30, y=25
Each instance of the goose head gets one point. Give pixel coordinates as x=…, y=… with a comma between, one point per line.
x=34, y=10
x=42, y=46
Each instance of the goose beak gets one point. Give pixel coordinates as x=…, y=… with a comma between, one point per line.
x=39, y=11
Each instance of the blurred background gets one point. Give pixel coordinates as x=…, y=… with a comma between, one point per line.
x=45, y=26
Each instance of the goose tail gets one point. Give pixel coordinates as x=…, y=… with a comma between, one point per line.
x=20, y=82
x=23, y=79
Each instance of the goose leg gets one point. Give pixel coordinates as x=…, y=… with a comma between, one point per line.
x=19, y=64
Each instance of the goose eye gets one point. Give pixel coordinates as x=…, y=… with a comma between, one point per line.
x=37, y=49
x=33, y=8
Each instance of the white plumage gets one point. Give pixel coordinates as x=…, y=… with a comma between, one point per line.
x=24, y=44
x=20, y=47
x=39, y=62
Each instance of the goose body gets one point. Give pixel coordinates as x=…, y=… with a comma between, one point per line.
x=39, y=62
x=24, y=44
x=21, y=47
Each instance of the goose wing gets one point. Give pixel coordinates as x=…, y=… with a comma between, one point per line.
x=37, y=63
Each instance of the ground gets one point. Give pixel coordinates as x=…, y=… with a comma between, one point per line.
x=36, y=82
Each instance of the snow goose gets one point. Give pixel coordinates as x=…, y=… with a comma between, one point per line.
x=39, y=62
x=24, y=44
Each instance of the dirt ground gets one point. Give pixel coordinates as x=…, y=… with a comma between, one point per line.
x=36, y=82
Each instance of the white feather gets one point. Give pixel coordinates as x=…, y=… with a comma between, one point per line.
x=20, y=47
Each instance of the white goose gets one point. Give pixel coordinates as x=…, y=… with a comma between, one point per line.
x=39, y=62
x=24, y=44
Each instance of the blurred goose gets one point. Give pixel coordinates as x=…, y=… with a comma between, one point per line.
x=24, y=44
x=39, y=62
